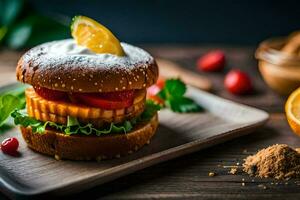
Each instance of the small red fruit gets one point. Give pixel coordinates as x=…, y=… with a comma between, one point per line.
x=238, y=82
x=211, y=61
x=10, y=145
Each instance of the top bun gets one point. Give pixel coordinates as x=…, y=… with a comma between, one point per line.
x=65, y=66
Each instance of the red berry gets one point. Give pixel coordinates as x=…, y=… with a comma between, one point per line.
x=211, y=61
x=10, y=145
x=238, y=82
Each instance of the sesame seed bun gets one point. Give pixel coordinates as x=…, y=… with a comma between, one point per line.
x=50, y=65
x=83, y=147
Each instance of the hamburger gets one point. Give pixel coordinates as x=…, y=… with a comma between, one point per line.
x=87, y=98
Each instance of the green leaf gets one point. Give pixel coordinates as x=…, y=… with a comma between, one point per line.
x=9, y=11
x=20, y=33
x=34, y=30
x=174, y=88
x=46, y=29
x=3, y=31
x=128, y=126
x=72, y=121
x=150, y=109
x=18, y=92
x=22, y=119
x=8, y=103
x=183, y=105
x=173, y=96
x=73, y=127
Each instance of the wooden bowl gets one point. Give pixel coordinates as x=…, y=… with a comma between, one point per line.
x=281, y=71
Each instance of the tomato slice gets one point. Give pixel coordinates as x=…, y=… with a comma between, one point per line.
x=108, y=100
x=50, y=94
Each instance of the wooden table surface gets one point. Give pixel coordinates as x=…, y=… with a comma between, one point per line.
x=187, y=177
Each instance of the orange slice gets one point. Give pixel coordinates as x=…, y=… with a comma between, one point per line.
x=292, y=110
x=96, y=37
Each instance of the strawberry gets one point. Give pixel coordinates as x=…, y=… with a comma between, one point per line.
x=211, y=61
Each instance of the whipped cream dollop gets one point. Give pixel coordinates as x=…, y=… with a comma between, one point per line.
x=68, y=49
x=69, y=46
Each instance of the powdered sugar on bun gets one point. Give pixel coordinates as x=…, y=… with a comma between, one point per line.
x=64, y=65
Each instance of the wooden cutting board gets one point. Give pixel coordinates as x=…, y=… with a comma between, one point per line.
x=33, y=174
x=170, y=69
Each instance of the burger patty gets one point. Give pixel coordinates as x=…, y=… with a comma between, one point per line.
x=58, y=111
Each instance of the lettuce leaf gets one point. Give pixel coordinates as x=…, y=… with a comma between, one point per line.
x=8, y=103
x=72, y=127
x=150, y=109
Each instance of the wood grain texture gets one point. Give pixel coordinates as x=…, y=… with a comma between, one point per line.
x=187, y=177
x=169, y=69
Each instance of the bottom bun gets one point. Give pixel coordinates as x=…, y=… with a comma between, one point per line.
x=82, y=147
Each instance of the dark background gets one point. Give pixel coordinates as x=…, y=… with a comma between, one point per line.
x=185, y=21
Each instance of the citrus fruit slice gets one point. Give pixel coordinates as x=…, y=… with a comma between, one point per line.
x=292, y=110
x=96, y=37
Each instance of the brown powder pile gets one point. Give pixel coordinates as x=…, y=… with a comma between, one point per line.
x=278, y=161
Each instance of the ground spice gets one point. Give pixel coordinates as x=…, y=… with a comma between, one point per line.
x=278, y=161
x=233, y=170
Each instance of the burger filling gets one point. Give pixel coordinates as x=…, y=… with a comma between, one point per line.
x=86, y=113
x=104, y=100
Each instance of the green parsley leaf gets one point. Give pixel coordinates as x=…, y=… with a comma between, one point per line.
x=173, y=96
x=150, y=109
x=183, y=105
x=174, y=88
